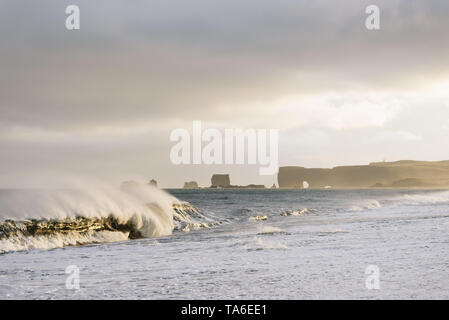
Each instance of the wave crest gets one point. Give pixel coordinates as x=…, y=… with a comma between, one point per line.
x=51, y=219
x=366, y=205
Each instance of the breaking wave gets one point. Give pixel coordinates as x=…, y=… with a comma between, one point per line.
x=53, y=219
x=365, y=205
x=441, y=197
x=407, y=199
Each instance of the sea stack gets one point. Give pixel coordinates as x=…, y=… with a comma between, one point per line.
x=190, y=185
x=220, y=181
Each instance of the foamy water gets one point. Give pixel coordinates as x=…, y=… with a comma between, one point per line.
x=146, y=211
x=208, y=244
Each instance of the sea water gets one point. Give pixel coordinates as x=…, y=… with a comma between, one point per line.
x=234, y=244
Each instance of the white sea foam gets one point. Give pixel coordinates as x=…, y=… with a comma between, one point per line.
x=258, y=218
x=299, y=212
x=270, y=230
x=59, y=240
x=147, y=209
x=266, y=244
x=365, y=205
x=441, y=197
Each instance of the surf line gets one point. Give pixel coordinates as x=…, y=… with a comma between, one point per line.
x=198, y=310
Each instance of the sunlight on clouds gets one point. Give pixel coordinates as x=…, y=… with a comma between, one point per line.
x=335, y=111
x=339, y=110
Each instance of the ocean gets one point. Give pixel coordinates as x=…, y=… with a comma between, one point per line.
x=224, y=244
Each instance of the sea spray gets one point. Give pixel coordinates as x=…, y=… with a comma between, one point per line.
x=95, y=213
x=46, y=219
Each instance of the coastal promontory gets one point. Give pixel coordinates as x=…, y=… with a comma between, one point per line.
x=398, y=174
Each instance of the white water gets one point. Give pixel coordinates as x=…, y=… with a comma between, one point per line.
x=440, y=197
x=147, y=208
x=365, y=204
x=59, y=240
x=321, y=254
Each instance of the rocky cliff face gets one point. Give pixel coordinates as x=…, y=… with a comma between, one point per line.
x=220, y=180
x=399, y=174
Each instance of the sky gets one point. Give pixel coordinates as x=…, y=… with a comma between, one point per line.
x=101, y=101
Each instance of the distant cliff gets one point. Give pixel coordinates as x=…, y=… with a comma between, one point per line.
x=399, y=174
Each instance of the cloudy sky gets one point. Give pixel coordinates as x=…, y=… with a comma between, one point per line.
x=101, y=101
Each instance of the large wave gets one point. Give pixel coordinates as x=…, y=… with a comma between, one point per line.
x=57, y=218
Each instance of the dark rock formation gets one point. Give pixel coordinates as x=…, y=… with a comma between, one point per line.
x=399, y=174
x=191, y=185
x=220, y=180
x=223, y=181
